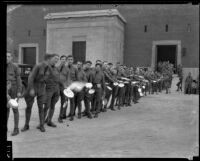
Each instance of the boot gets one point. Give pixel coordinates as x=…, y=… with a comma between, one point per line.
x=50, y=115
x=89, y=116
x=112, y=108
x=60, y=120
x=15, y=132
x=79, y=116
x=41, y=128
x=25, y=128
x=71, y=118
x=41, y=117
x=51, y=124
x=96, y=115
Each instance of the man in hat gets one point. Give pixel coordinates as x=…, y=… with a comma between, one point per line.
x=13, y=76
x=36, y=88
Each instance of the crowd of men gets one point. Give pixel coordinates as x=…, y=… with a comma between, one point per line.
x=115, y=85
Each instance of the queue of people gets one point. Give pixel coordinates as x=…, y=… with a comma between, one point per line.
x=118, y=86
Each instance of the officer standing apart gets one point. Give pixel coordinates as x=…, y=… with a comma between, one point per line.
x=13, y=75
x=52, y=89
x=36, y=88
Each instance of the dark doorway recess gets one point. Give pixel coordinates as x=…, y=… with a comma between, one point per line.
x=79, y=50
x=167, y=53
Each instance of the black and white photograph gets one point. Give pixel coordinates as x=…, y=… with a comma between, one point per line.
x=102, y=80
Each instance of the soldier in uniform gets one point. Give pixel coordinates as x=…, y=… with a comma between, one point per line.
x=13, y=76
x=87, y=96
x=128, y=91
x=36, y=88
x=64, y=82
x=52, y=89
x=73, y=77
x=114, y=88
x=180, y=75
x=79, y=96
x=188, y=84
x=166, y=82
x=121, y=90
x=109, y=82
x=99, y=86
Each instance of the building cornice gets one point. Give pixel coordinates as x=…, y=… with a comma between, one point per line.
x=93, y=13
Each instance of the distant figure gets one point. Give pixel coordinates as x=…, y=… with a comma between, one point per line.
x=188, y=84
x=198, y=84
x=194, y=87
x=180, y=75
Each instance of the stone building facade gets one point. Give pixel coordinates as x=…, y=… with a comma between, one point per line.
x=136, y=35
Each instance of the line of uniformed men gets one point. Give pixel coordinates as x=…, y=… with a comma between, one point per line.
x=46, y=82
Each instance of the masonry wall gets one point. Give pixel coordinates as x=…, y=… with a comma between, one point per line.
x=138, y=44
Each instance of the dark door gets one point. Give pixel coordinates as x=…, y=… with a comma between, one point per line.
x=79, y=50
x=167, y=53
x=29, y=55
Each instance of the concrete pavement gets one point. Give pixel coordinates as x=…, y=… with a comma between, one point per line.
x=164, y=125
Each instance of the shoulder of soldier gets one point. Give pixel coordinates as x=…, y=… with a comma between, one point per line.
x=15, y=65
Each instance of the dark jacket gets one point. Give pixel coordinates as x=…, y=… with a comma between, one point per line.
x=99, y=79
x=64, y=76
x=13, y=75
x=81, y=76
x=37, y=78
x=53, y=77
x=73, y=73
x=89, y=75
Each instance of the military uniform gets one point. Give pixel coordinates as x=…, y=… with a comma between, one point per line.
x=180, y=75
x=36, y=81
x=73, y=77
x=88, y=97
x=135, y=95
x=128, y=91
x=109, y=82
x=188, y=84
x=79, y=96
x=121, y=90
x=99, y=86
x=13, y=75
x=52, y=93
x=166, y=82
x=64, y=82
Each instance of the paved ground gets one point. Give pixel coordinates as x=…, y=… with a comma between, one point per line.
x=159, y=126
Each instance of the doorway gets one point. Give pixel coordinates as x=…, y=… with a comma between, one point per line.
x=167, y=53
x=79, y=50
x=29, y=55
